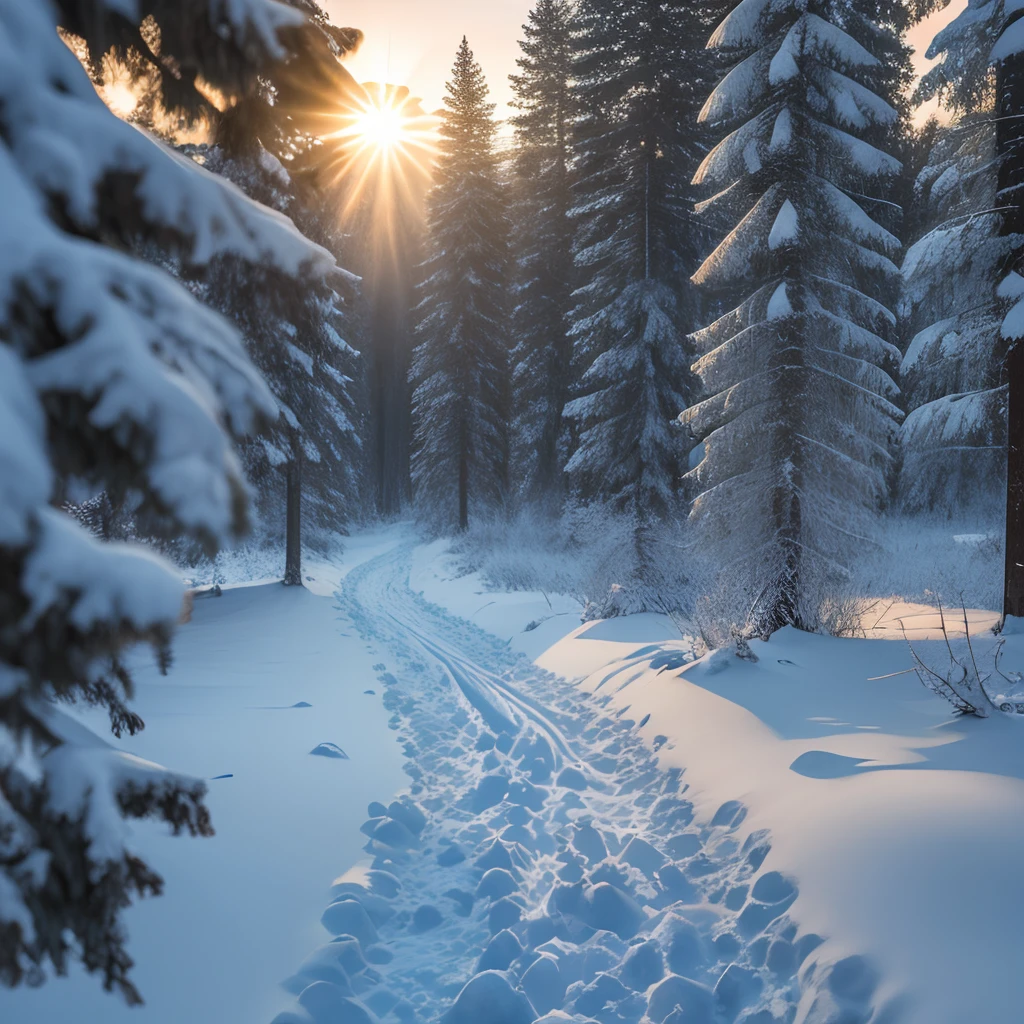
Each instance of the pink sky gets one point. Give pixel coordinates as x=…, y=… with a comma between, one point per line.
x=413, y=42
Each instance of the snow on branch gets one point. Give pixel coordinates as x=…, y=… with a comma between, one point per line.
x=65, y=142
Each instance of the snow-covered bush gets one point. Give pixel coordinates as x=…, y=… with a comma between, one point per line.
x=115, y=380
x=588, y=553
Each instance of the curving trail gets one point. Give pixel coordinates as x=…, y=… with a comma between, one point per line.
x=607, y=902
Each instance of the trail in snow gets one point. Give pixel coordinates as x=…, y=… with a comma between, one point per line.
x=541, y=862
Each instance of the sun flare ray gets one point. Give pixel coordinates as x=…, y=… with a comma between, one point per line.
x=385, y=141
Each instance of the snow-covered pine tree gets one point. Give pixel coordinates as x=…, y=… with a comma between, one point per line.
x=461, y=363
x=798, y=426
x=114, y=379
x=296, y=334
x=542, y=251
x=953, y=441
x=962, y=76
x=982, y=50
x=640, y=74
x=306, y=469
x=279, y=149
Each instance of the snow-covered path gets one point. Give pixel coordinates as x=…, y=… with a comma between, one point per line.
x=541, y=861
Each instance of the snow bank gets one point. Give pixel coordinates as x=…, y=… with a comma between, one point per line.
x=899, y=825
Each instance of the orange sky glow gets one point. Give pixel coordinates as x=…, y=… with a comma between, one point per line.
x=413, y=42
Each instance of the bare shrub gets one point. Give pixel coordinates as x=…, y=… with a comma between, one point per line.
x=723, y=606
x=962, y=682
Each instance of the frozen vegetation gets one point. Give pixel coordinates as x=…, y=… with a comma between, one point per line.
x=605, y=607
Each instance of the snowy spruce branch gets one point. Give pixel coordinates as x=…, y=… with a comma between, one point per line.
x=114, y=380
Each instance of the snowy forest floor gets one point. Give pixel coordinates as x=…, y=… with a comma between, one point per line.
x=786, y=839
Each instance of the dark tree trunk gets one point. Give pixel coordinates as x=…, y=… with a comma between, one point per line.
x=391, y=347
x=463, y=492
x=293, y=525
x=1013, y=587
x=1010, y=148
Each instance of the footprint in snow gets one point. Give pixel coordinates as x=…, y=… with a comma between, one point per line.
x=572, y=898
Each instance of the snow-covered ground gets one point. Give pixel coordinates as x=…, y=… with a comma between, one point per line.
x=240, y=909
x=899, y=826
x=594, y=825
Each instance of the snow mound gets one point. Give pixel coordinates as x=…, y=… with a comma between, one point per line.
x=329, y=750
x=491, y=997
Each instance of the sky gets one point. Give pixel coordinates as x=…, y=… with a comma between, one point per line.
x=413, y=42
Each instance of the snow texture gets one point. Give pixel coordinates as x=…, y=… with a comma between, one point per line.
x=766, y=828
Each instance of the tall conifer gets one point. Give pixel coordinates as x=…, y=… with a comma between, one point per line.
x=798, y=428
x=542, y=245
x=461, y=363
x=637, y=68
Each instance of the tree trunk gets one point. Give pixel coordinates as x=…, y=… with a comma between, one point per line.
x=293, y=526
x=463, y=491
x=1013, y=586
x=1010, y=149
x=780, y=599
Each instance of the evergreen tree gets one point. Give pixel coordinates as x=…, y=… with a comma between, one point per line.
x=296, y=334
x=280, y=147
x=953, y=441
x=307, y=468
x=542, y=247
x=460, y=366
x=798, y=426
x=114, y=380
x=639, y=70
x=962, y=76
x=983, y=50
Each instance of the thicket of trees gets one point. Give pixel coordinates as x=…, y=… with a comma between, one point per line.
x=746, y=236
x=753, y=234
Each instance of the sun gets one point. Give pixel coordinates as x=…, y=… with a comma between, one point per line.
x=382, y=127
x=386, y=146
x=387, y=122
